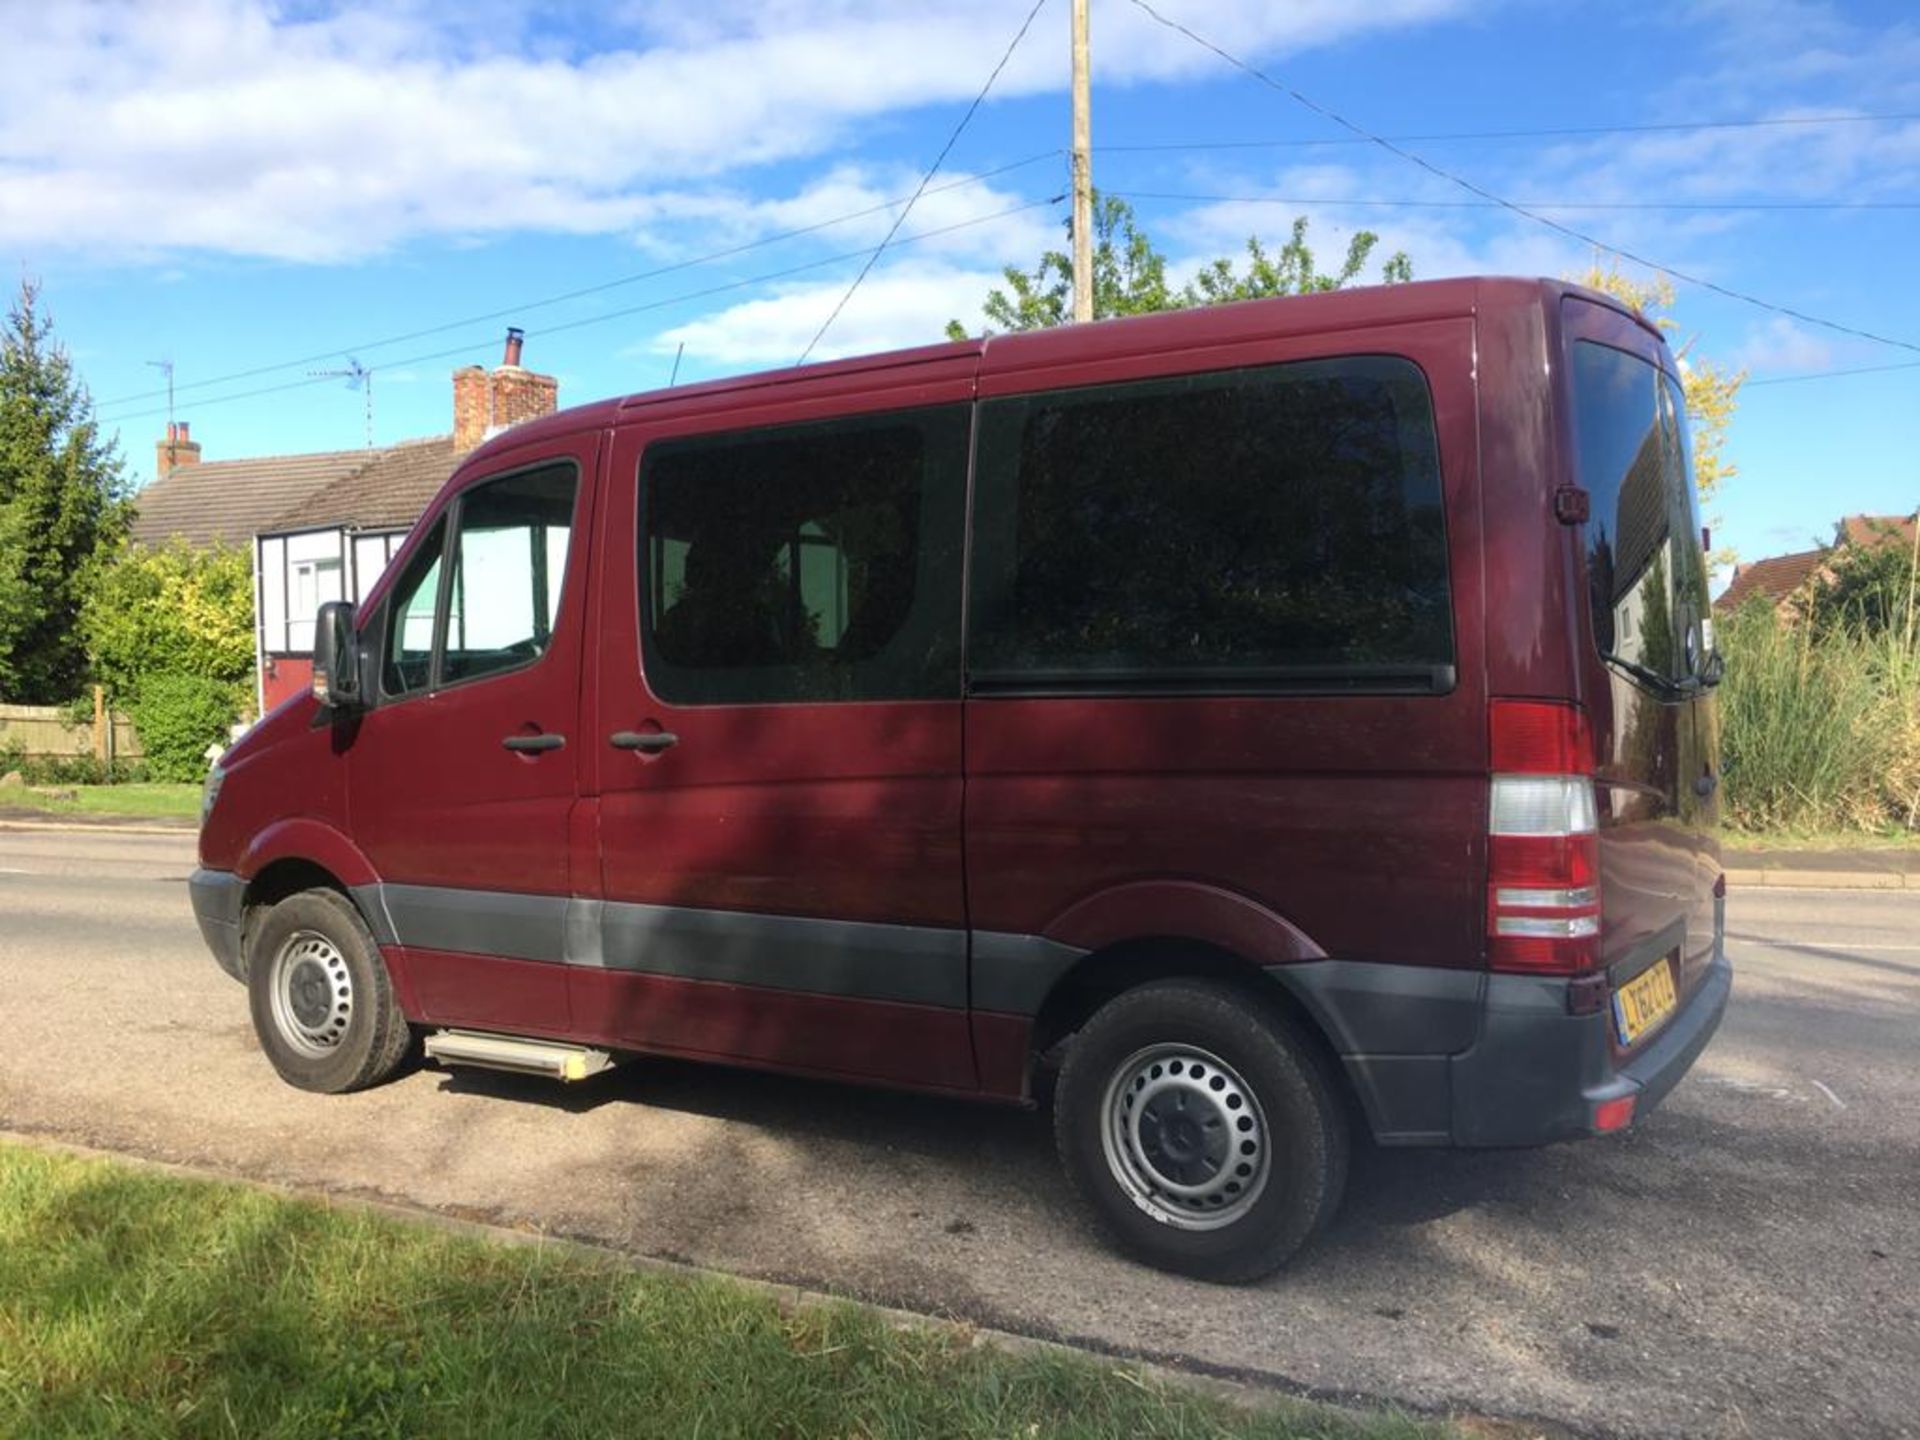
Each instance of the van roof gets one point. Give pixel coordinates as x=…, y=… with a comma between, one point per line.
x=1353, y=309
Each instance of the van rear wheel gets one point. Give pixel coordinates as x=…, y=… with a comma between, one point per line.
x=322, y=1004
x=1201, y=1129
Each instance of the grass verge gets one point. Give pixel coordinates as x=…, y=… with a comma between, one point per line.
x=141, y=1304
x=144, y=801
x=1738, y=842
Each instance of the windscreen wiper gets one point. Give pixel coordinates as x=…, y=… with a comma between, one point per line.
x=1664, y=686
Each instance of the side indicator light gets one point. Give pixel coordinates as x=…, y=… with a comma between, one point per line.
x=1611, y=1115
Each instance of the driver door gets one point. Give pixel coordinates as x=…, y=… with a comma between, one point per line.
x=461, y=777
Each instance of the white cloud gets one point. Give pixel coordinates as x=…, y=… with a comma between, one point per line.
x=897, y=306
x=1783, y=345
x=1440, y=242
x=323, y=133
x=978, y=217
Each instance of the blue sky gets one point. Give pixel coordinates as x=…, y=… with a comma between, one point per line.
x=238, y=185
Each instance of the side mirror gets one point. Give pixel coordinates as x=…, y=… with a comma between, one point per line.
x=336, y=657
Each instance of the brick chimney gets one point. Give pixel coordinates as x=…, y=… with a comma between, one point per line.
x=485, y=402
x=176, y=450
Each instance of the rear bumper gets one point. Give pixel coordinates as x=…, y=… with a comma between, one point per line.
x=217, y=901
x=1468, y=1058
x=1538, y=1074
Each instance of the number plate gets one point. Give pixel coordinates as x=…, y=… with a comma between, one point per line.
x=1644, y=1001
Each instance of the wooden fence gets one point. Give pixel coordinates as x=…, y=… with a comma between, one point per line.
x=46, y=731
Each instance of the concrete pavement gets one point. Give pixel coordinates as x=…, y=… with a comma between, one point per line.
x=1745, y=1262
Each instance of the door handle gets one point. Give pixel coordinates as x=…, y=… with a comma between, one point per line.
x=534, y=743
x=647, y=742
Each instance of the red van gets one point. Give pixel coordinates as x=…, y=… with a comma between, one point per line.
x=1282, y=718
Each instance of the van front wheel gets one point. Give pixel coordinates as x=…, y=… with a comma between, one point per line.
x=1201, y=1129
x=321, y=1001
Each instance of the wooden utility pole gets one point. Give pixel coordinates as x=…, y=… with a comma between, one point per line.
x=1082, y=171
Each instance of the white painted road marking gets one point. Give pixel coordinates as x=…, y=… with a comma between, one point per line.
x=1838, y=1103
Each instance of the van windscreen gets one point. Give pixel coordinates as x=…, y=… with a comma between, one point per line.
x=1237, y=531
x=1644, y=568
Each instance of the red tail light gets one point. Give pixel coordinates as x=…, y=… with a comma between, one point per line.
x=1543, y=859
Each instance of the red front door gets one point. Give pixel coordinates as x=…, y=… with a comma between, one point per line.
x=462, y=774
x=777, y=741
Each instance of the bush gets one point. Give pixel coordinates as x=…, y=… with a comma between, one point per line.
x=170, y=610
x=62, y=770
x=1818, y=731
x=1868, y=588
x=178, y=717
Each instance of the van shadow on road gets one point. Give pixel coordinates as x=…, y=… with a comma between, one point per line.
x=1387, y=1190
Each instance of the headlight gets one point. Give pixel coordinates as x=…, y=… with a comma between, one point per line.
x=210, y=791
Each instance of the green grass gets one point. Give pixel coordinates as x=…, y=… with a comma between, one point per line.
x=1735, y=842
x=142, y=801
x=135, y=1304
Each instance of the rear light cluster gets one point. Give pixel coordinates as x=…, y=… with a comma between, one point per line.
x=1543, y=876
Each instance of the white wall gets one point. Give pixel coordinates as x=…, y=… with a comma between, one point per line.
x=300, y=573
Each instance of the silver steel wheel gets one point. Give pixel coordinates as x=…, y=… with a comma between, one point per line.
x=312, y=993
x=1185, y=1136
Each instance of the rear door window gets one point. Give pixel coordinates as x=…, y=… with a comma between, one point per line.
x=1644, y=569
x=1271, y=528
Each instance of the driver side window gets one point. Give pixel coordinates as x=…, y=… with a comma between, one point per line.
x=501, y=603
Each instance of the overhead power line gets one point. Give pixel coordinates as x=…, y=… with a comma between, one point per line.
x=472, y=346
x=1547, y=133
x=1703, y=205
x=938, y=160
x=1829, y=374
x=526, y=306
x=1503, y=203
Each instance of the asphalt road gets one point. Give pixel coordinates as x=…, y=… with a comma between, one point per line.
x=1744, y=1263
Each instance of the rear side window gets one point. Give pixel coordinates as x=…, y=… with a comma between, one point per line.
x=1644, y=568
x=815, y=562
x=1277, y=528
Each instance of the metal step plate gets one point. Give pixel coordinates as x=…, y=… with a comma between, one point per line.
x=520, y=1054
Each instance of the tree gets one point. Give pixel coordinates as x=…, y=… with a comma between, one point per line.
x=62, y=507
x=1711, y=392
x=169, y=632
x=1872, y=587
x=1130, y=275
x=170, y=609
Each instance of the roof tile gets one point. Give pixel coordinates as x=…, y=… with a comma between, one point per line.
x=389, y=492
x=230, y=500
x=1776, y=578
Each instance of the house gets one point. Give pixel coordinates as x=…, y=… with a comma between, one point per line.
x=1782, y=580
x=323, y=526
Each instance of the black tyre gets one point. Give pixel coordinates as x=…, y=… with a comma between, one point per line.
x=322, y=1003
x=1202, y=1129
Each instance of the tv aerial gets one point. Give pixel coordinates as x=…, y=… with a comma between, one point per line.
x=358, y=377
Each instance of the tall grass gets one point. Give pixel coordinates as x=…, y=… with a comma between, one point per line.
x=1820, y=731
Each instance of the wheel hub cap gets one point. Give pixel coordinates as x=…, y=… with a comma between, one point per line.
x=310, y=993
x=311, y=990
x=1185, y=1137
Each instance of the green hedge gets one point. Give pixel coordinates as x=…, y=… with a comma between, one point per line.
x=178, y=717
